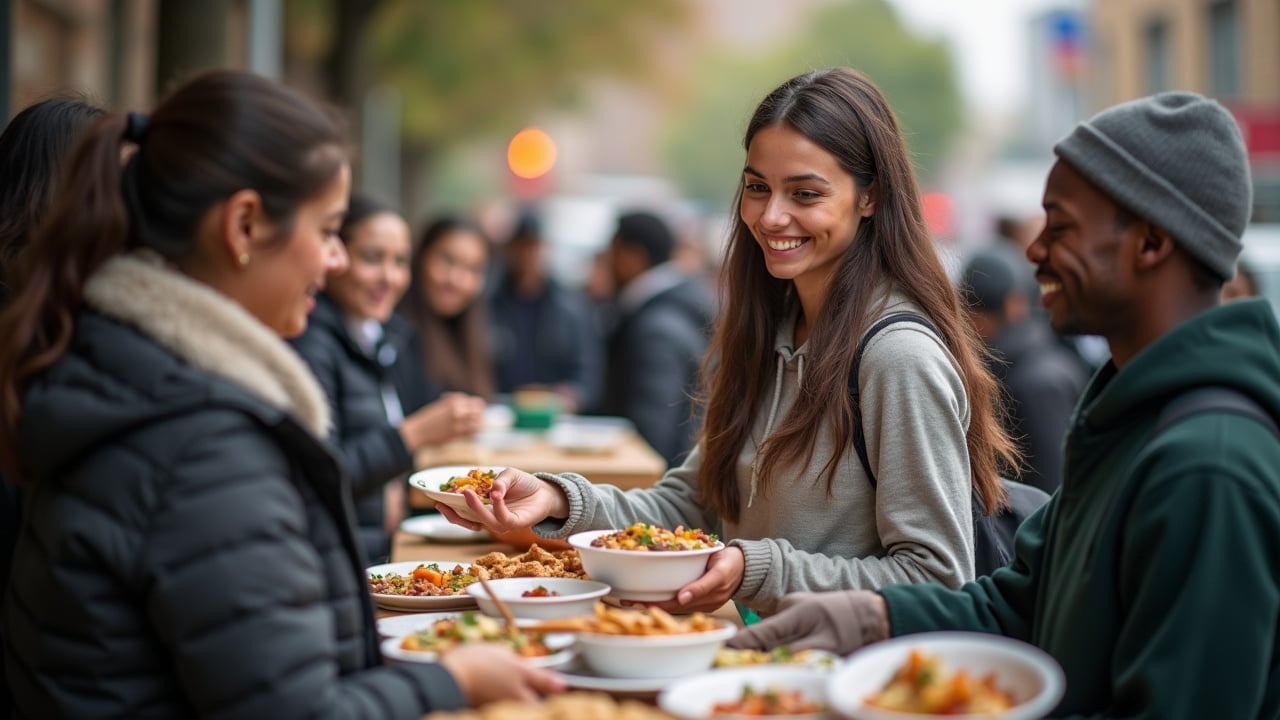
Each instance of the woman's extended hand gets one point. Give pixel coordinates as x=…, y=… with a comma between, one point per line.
x=518, y=500
x=450, y=417
x=716, y=586
x=487, y=672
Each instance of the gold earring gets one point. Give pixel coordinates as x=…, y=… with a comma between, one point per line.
x=244, y=259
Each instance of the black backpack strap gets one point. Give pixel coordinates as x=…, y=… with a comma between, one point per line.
x=1214, y=398
x=860, y=440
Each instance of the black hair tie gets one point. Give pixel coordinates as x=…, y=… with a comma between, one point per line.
x=135, y=127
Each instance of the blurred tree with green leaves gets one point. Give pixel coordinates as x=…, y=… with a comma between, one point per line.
x=916, y=74
x=469, y=68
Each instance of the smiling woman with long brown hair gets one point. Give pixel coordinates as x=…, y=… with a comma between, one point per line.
x=829, y=239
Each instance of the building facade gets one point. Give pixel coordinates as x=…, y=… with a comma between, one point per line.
x=1226, y=49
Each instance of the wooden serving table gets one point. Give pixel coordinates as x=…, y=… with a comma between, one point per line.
x=407, y=547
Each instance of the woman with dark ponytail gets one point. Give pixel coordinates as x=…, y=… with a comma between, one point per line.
x=187, y=548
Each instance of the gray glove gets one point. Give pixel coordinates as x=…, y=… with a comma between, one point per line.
x=839, y=622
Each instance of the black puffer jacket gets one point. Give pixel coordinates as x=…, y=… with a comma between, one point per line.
x=358, y=386
x=188, y=549
x=655, y=352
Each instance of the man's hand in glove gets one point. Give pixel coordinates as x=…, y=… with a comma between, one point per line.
x=839, y=622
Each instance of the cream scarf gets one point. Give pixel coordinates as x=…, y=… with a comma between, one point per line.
x=209, y=331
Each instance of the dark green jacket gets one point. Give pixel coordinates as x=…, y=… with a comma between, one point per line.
x=1153, y=576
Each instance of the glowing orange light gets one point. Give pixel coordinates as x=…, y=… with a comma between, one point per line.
x=531, y=153
x=939, y=213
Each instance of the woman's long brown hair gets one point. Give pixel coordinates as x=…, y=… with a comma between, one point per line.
x=842, y=111
x=217, y=134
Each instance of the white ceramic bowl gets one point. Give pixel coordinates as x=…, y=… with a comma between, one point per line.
x=577, y=597
x=652, y=656
x=637, y=575
x=430, y=480
x=1029, y=674
x=693, y=697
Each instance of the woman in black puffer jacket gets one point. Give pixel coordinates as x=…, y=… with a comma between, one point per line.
x=368, y=361
x=188, y=548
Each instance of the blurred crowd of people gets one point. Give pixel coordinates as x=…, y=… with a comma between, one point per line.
x=220, y=362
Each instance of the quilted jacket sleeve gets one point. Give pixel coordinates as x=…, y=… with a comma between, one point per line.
x=238, y=595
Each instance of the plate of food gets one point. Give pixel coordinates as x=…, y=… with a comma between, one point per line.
x=401, y=625
x=956, y=673
x=449, y=631
x=781, y=655
x=422, y=585
x=445, y=484
x=439, y=529
x=791, y=692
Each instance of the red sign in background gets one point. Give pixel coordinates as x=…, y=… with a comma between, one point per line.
x=1260, y=125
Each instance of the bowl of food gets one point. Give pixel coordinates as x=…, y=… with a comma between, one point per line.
x=539, y=598
x=645, y=563
x=426, y=644
x=961, y=674
x=445, y=485
x=796, y=693
x=644, y=643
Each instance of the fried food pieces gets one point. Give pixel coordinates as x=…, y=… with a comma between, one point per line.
x=536, y=562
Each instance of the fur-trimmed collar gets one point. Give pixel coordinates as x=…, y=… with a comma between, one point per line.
x=208, y=331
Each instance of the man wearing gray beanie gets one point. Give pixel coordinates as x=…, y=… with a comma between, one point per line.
x=1153, y=575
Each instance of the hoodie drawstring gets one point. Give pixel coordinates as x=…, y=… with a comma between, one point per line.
x=773, y=415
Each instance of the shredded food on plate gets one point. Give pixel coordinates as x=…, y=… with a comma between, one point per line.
x=476, y=480
x=781, y=655
x=474, y=627
x=426, y=580
x=769, y=701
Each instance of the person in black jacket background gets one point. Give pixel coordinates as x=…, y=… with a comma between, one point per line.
x=543, y=332
x=662, y=331
x=33, y=148
x=188, y=547
x=1041, y=378
x=366, y=358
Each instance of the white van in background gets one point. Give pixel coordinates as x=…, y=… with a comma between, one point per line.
x=1261, y=256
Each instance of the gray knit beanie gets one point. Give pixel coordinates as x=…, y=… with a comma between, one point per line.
x=1176, y=160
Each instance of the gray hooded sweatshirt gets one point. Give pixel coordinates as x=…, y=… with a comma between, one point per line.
x=915, y=528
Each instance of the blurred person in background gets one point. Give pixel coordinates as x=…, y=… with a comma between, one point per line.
x=659, y=338
x=33, y=149
x=445, y=305
x=828, y=240
x=1154, y=573
x=368, y=361
x=187, y=549
x=543, y=333
x=1041, y=378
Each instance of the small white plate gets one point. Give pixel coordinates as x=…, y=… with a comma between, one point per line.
x=560, y=644
x=401, y=625
x=461, y=601
x=430, y=480
x=438, y=528
x=578, y=675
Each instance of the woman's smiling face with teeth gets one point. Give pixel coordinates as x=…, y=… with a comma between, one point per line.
x=802, y=208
